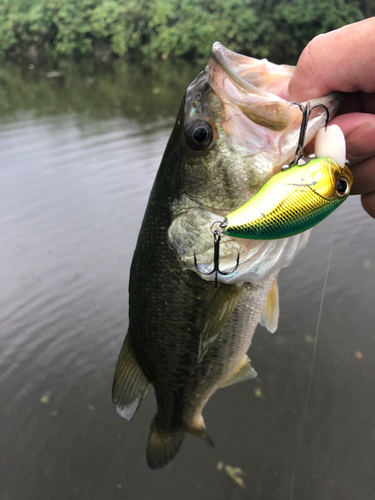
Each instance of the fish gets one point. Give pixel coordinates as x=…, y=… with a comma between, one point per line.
x=233, y=132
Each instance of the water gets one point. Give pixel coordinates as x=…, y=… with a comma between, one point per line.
x=78, y=158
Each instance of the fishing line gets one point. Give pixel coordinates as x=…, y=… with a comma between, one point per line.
x=312, y=365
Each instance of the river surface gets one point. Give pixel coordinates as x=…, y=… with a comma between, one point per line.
x=79, y=153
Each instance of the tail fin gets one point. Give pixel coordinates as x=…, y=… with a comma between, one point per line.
x=162, y=446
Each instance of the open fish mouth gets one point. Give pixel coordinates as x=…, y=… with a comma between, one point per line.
x=252, y=75
x=252, y=93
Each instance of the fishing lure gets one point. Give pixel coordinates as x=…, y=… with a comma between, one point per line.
x=303, y=194
x=292, y=201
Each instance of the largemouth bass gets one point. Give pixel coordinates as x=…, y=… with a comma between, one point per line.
x=232, y=134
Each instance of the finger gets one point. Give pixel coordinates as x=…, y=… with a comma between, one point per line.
x=352, y=103
x=368, y=203
x=358, y=102
x=364, y=177
x=340, y=60
x=359, y=132
x=367, y=102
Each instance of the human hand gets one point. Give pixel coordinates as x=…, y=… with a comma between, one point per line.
x=344, y=60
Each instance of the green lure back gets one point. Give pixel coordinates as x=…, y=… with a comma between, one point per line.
x=292, y=201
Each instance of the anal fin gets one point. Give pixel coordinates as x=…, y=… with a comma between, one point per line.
x=243, y=372
x=130, y=384
x=270, y=312
x=198, y=429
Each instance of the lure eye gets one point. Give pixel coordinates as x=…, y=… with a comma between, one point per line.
x=198, y=134
x=342, y=186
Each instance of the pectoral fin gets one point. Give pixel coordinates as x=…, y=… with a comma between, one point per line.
x=130, y=383
x=244, y=372
x=270, y=312
x=219, y=311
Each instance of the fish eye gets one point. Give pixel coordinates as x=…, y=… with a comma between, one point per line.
x=198, y=134
x=342, y=186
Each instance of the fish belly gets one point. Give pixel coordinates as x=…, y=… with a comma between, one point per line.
x=166, y=345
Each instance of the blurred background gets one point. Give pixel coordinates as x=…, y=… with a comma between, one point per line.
x=89, y=91
x=162, y=29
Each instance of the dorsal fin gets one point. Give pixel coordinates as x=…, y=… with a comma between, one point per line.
x=270, y=312
x=130, y=383
x=219, y=311
x=243, y=372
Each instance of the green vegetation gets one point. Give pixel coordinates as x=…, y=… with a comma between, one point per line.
x=154, y=29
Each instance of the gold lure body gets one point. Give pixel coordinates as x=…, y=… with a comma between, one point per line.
x=292, y=201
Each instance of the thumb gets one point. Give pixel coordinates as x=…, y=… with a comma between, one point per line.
x=340, y=60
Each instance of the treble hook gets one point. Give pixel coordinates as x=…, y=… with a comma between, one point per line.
x=217, y=237
x=306, y=112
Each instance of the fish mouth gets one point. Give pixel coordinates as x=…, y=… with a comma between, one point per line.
x=233, y=65
x=252, y=86
x=257, y=77
x=257, y=88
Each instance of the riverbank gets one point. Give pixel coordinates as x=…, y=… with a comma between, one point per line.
x=167, y=29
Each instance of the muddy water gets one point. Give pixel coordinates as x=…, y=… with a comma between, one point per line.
x=78, y=156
